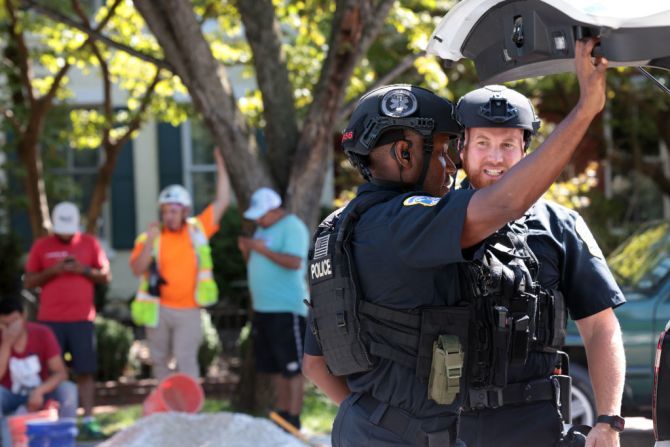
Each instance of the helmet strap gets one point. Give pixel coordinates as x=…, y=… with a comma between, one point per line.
x=427, y=153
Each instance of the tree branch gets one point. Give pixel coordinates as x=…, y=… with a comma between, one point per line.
x=110, y=13
x=355, y=25
x=264, y=36
x=9, y=116
x=96, y=34
x=136, y=122
x=402, y=67
x=47, y=99
x=374, y=23
x=104, y=69
x=176, y=28
x=21, y=51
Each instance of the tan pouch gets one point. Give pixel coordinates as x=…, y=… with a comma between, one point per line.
x=446, y=369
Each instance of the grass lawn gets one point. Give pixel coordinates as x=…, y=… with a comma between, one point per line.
x=317, y=415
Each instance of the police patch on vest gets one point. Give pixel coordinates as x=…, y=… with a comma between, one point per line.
x=588, y=239
x=320, y=270
x=421, y=200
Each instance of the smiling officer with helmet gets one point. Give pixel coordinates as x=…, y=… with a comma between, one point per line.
x=499, y=125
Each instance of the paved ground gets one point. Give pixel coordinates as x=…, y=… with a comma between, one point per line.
x=639, y=433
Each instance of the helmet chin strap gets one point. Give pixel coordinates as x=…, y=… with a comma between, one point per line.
x=427, y=153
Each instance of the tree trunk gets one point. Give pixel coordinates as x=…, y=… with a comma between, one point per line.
x=174, y=25
x=32, y=112
x=355, y=25
x=31, y=159
x=281, y=129
x=102, y=182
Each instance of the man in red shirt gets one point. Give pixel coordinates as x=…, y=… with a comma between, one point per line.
x=66, y=265
x=31, y=368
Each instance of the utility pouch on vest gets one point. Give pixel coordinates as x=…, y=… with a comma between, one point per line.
x=446, y=370
x=558, y=321
x=563, y=396
x=490, y=346
x=501, y=335
x=435, y=322
x=551, y=320
x=523, y=327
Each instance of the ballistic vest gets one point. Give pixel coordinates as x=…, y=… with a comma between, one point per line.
x=502, y=315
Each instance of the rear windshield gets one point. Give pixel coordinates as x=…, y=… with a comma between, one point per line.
x=643, y=261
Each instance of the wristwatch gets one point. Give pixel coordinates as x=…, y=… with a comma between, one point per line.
x=615, y=421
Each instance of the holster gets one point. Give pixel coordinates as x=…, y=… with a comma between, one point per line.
x=563, y=396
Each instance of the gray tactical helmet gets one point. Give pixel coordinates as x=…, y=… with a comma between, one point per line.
x=498, y=106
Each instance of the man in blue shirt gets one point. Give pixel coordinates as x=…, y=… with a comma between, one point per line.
x=276, y=267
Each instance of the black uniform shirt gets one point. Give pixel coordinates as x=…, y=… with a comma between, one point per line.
x=570, y=261
x=405, y=250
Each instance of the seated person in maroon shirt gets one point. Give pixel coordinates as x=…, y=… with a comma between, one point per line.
x=31, y=368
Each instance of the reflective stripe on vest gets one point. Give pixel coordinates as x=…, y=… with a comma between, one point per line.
x=206, y=290
x=145, y=307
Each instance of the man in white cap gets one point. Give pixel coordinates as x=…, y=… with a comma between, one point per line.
x=276, y=267
x=66, y=265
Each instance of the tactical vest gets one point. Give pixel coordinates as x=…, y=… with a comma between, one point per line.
x=514, y=314
x=499, y=319
x=145, y=307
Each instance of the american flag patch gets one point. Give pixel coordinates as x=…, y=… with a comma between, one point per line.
x=321, y=246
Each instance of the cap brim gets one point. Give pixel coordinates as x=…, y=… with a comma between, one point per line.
x=254, y=213
x=65, y=229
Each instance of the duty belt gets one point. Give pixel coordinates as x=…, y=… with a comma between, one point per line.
x=515, y=393
x=403, y=425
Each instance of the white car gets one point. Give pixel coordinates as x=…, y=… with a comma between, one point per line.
x=515, y=39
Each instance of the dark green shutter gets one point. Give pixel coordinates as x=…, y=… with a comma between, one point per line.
x=170, y=164
x=123, y=200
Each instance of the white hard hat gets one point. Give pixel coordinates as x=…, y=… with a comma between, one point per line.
x=175, y=194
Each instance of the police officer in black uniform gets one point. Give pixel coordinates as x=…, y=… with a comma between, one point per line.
x=499, y=124
x=400, y=255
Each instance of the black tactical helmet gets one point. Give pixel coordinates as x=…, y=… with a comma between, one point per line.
x=498, y=106
x=396, y=107
x=382, y=114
